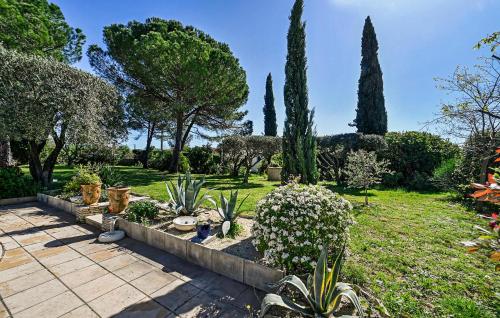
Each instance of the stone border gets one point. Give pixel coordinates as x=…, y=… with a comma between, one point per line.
x=237, y=268
x=18, y=200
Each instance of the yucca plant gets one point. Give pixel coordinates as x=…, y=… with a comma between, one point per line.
x=185, y=194
x=228, y=212
x=322, y=293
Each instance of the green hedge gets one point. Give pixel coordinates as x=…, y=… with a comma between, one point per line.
x=14, y=184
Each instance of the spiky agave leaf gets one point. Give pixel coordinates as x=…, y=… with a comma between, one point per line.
x=344, y=290
x=271, y=300
x=294, y=281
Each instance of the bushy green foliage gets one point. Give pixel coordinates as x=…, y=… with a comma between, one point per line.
x=277, y=160
x=142, y=211
x=333, y=151
x=295, y=222
x=84, y=175
x=161, y=160
x=363, y=170
x=322, y=294
x=415, y=156
x=13, y=183
x=444, y=176
x=270, y=126
x=201, y=159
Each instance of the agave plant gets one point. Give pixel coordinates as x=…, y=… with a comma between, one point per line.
x=185, y=194
x=322, y=294
x=228, y=210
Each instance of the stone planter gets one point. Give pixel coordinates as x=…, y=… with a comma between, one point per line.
x=118, y=199
x=274, y=173
x=91, y=193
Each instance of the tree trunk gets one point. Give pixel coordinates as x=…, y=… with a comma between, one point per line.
x=149, y=139
x=34, y=160
x=49, y=164
x=5, y=154
x=174, y=164
x=366, y=196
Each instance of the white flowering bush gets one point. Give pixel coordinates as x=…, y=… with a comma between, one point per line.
x=294, y=222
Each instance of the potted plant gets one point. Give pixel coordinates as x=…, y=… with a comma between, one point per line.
x=118, y=194
x=90, y=185
x=275, y=167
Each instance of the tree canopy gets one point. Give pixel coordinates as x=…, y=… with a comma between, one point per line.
x=270, y=126
x=41, y=99
x=371, y=116
x=198, y=82
x=299, y=143
x=39, y=27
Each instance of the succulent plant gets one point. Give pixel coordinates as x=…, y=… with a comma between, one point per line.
x=185, y=194
x=322, y=294
x=228, y=210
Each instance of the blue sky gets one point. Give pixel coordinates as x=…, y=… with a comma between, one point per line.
x=418, y=40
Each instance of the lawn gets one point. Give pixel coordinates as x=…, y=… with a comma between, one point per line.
x=405, y=249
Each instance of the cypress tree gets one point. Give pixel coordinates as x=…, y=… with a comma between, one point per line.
x=270, y=126
x=299, y=142
x=371, y=116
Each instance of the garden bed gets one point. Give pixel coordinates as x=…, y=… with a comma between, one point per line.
x=234, y=258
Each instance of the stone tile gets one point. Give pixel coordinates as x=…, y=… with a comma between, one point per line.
x=251, y=297
x=90, y=246
x=146, y=308
x=71, y=266
x=203, y=305
x=152, y=281
x=59, y=258
x=47, y=252
x=19, y=271
x=43, y=246
x=175, y=294
x=104, y=255
x=98, y=287
x=116, y=300
x=80, y=277
x=14, y=258
x=35, y=295
x=134, y=270
x=205, y=279
x=32, y=238
x=53, y=307
x=226, y=287
x=3, y=311
x=19, y=284
x=118, y=262
x=81, y=312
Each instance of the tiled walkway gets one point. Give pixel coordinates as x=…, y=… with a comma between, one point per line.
x=52, y=267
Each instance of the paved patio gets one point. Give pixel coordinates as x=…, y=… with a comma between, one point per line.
x=52, y=267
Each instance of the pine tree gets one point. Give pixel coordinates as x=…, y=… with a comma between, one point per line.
x=371, y=116
x=270, y=126
x=299, y=142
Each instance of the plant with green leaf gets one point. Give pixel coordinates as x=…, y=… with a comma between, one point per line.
x=83, y=176
x=185, y=195
x=322, y=294
x=229, y=212
x=142, y=212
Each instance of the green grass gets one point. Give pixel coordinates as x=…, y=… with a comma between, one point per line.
x=405, y=249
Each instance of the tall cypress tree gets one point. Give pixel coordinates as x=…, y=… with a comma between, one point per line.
x=371, y=116
x=270, y=126
x=299, y=143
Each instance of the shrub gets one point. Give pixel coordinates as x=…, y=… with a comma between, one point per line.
x=84, y=175
x=294, y=222
x=416, y=155
x=201, y=159
x=333, y=151
x=444, y=176
x=15, y=184
x=160, y=160
x=142, y=211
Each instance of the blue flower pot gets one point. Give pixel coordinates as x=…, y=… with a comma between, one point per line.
x=203, y=231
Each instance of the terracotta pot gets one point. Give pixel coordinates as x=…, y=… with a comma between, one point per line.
x=118, y=199
x=274, y=173
x=91, y=193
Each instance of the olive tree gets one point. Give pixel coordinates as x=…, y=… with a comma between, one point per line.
x=42, y=99
x=363, y=170
x=247, y=151
x=196, y=80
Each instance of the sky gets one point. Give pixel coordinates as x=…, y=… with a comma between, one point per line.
x=419, y=40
